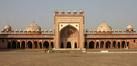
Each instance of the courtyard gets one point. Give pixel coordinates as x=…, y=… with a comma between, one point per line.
x=40, y=58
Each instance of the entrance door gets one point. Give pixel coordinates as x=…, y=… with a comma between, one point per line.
x=68, y=44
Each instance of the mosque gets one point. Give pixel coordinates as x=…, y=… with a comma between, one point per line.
x=68, y=33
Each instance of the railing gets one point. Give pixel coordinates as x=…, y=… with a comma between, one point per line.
x=93, y=31
x=113, y=32
x=25, y=32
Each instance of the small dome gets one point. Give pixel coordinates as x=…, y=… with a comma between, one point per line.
x=33, y=27
x=7, y=28
x=129, y=27
x=104, y=27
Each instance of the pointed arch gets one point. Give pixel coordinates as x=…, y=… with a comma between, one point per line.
x=40, y=44
x=23, y=44
x=14, y=44
x=91, y=44
x=46, y=44
x=68, y=44
x=102, y=44
x=123, y=44
x=114, y=44
x=67, y=36
x=18, y=45
x=29, y=44
x=97, y=44
x=73, y=25
x=35, y=44
x=108, y=44
x=118, y=44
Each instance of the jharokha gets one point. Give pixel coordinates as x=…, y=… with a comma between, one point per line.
x=68, y=33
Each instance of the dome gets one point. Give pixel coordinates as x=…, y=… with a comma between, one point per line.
x=33, y=27
x=129, y=27
x=7, y=28
x=104, y=27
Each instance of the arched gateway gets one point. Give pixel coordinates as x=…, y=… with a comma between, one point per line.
x=69, y=32
x=69, y=37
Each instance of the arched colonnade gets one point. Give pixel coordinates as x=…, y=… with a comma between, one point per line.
x=30, y=44
x=104, y=44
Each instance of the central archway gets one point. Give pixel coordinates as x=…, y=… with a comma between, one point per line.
x=69, y=37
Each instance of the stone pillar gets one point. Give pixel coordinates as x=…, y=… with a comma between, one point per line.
x=26, y=46
x=94, y=45
x=72, y=45
x=18, y=41
x=104, y=46
x=50, y=45
x=111, y=44
x=33, y=46
x=99, y=44
x=20, y=44
x=120, y=44
x=42, y=44
x=125, y=45
x=38, y=43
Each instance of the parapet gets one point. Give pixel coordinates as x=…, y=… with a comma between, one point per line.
x=68, y=12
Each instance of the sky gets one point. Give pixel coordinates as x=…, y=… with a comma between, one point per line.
x=21, y=13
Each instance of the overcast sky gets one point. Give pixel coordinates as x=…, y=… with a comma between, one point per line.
x=20, y=13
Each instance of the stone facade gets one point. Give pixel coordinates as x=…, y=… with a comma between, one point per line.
x=68, y=32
